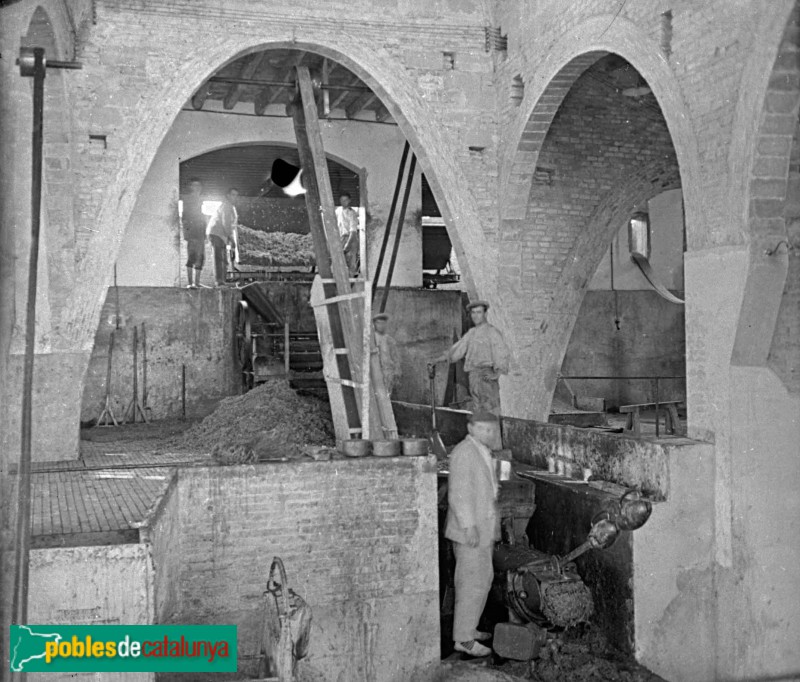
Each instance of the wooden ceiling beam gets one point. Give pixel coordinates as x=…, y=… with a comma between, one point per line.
x=344, y=94
x=199, y=97
x=247, y=71
x=382, y=113
x=288, y=76
x=359, y=103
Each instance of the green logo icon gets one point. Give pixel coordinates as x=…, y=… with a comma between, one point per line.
x=123, y=648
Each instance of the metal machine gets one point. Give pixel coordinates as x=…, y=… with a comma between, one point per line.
x=267, y=347
x=546, y=590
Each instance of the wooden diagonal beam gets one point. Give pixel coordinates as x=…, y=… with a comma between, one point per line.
x=331, y=263
x=248, y=70
x=358, y=104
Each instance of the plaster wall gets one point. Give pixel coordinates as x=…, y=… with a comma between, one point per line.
x=673, y=579
x=627, y=334
x=666, y=242
x=153, y=253
x=194, y=329
x=82, y=586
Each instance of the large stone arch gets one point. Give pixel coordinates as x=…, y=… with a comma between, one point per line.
x=611, y=214
x=47, y=26
x=386, y=78
x=574, y=52
x=765, y=161
x=546, y=330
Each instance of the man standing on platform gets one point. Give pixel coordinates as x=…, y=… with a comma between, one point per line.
x=486, y=357
x=194, y=232
x=473, y=525
x=223, y=228
x=347, y=221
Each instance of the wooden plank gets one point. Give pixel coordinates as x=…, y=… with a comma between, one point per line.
x=367, y=339
x=355, y=327
x=638, y=406
x=319, y=203
x=359, y=103
x=341, y=423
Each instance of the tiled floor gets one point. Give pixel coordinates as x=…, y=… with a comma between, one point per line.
x=94, y=506
x=108, y=494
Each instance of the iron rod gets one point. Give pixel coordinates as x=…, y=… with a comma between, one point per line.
x=649, y=378
x=390, y=219
x=20, y=600
x=116, y=296
x=400, y=220
x=657, y=433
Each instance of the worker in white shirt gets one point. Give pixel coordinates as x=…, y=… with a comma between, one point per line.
x=347, y=222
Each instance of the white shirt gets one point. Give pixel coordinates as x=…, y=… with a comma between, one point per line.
x=346, y=220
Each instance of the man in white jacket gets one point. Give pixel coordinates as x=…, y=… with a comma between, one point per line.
x=474, y=526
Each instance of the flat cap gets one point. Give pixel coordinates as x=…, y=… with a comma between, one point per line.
x=483, y=416
x=477, y=304
x=380, y=316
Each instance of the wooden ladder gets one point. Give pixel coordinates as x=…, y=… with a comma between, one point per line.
x=360, y=403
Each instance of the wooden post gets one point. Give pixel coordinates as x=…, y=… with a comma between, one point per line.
x=331, y=264
x=366, y=386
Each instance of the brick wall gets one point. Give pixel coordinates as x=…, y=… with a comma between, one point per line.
x=358, y=540
x=776, y=213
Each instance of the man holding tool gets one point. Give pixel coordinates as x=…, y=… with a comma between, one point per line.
x=486, y=357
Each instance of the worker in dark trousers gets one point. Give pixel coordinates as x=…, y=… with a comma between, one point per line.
x=474, y=526
x=486, y=357
x=194, y=232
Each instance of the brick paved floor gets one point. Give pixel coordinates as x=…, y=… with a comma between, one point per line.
x=95, y=506
x=108, y=494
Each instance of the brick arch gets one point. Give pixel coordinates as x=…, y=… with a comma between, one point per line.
x=643, y=184
x=387, y=78
x=544, y=319
x=773, y=215
x=519, y=176
x=574, y=52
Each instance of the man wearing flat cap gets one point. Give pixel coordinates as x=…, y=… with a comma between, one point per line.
x=486, y=357
x=473, y=525
x=386, y=348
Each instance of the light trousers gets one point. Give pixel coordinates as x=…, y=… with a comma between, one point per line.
x=474, y=574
